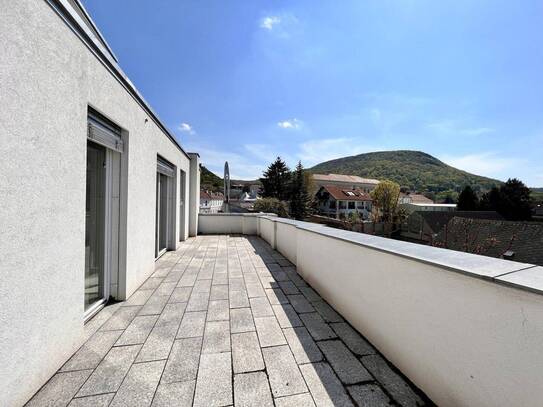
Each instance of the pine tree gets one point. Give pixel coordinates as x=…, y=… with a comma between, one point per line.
x=299, y=197
x=275, y=180
x=468, y=200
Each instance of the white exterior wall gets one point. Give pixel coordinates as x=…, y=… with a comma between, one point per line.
x=48, y=78
x=466, y=329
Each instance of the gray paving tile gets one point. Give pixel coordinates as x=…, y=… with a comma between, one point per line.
x=92, y=351
x=369, y=395
x=261, y=307
x=269, y=332
x=300, y=303
x=220, y=278
x=255, y=290
x=180, y=294
x=301, y=344
x=241, y=320
x=154, y=305
x=219, y=292
x=268, y=282
x=59, y=389
x=327, y=312
x=172, y=314
x=174, y=394
x=198, y=301
x=202, y=286
x=345, y=364
x=140, y=297
x=166, y=288
x=121, y=318
x=214, y=383
x=101, y=400
x=276, y=296
x=246, y=354
x=252, y=389
x=284, y=376
x=316, y=326
x=324, y=386
x=109, y=374
x=288, y=287
x=279, y=275
x=236, y=284
x=158, y=343
x=286, y=316
x=138, y=330
x=310, y=294
x=139, y=386
x=216, y=337
x=391, y=381
x=218, y=310
x=238, y=299
x=298, y=400
x=354, y=341
x=151, y=283
x=251, y=278
x=182, y=364
x=192, y=324
x=187, y=280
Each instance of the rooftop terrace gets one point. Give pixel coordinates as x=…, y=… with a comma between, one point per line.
x=225, y=320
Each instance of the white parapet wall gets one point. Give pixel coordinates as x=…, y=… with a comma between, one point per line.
x=466, y=329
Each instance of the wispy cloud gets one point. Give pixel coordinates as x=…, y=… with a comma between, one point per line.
x=186, y=128
x=452, y=127
x=269, y=22
x=315, y=151
x=490, y=163
x=290, y=124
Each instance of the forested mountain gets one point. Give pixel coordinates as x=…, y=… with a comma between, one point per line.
x=411, y=169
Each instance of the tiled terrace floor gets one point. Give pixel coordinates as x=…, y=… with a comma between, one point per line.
x=225, y=321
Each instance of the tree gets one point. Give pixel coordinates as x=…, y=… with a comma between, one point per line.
x=385, y=200
x=246, y=188
x=275, y=180
x=271, y=205
x=299, y=197
x=468, y=200
x=511, y=200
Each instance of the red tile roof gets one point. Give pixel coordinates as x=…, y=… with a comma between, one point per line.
x=346, y=194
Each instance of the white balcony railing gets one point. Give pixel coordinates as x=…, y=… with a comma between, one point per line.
x=466, y=329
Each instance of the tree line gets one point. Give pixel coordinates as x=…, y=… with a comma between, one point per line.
x=512, y=200
x=285, y=192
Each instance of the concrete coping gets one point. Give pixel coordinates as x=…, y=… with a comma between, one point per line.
x=520, y=275
x=252, y=215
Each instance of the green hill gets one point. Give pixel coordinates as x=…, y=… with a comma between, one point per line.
x=210, y=181
x=411, y=169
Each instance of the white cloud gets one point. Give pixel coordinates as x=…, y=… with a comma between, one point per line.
x=187, y=128
x=290, y=124
x=451, y=127
x=489, y=164
x=269, y=21
x=316, y=151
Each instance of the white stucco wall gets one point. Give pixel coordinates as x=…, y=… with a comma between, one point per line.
x=466, y=329
x=48, y=78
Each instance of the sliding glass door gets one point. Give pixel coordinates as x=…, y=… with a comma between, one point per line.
x=95, y=224
x=161, y=214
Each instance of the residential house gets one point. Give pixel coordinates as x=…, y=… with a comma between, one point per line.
x=95, y=188
x=339, y=203
x=417, y=202
x=211, y=202
x=345, y=181
x=511, y=240
x=424, y=226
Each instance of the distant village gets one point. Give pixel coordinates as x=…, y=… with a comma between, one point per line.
x=346, y=202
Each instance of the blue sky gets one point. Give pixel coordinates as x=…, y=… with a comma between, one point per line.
x=245, y=81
